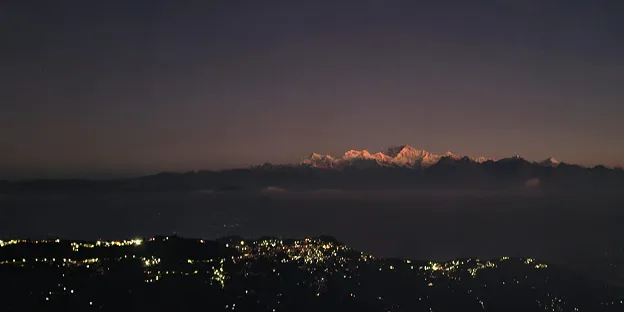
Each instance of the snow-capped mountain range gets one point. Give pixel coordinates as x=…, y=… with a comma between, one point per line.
x=396, y=156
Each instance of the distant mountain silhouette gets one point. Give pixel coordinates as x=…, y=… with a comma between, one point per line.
x=362, y=171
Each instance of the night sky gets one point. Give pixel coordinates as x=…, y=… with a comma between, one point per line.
x=125, y=87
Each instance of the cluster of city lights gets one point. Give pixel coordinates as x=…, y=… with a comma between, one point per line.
x=124, y=243
x=12, y=242
x=480, y=266
x=473, y=266
x=75, y=245
x=218, y=274
x=307, y=251
x=323, y=261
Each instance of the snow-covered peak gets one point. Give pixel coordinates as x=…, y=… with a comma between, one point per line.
x=355, y=154
x=550, y=162
x=315, y=156
x=395, y=151
x=451, y=155
x=318, y=160
x=481, y=159
x=396, y=156
x=405, y=155
x=381, y=157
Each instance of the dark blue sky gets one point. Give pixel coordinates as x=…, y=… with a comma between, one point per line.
x=139, y=86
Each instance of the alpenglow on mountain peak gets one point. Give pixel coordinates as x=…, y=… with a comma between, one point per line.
x=394, y=156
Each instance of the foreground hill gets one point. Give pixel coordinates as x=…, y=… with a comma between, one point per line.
x=271, y=274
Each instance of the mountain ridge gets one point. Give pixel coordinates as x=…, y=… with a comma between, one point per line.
x=400, y=156
x=396, y=168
